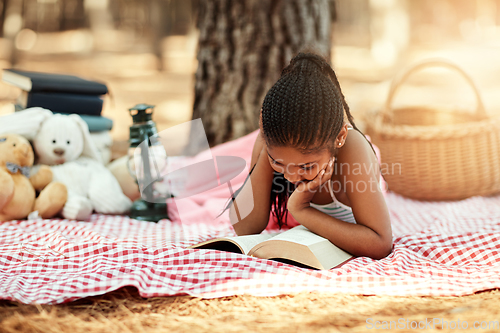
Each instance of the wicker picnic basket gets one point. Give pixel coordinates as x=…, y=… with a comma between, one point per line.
x=437, y=154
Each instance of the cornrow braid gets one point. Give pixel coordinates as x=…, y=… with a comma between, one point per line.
x=350, y=118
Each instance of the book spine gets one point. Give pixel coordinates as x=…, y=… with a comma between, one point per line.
x=97, y=123
x=66, y=103
x=68, y=86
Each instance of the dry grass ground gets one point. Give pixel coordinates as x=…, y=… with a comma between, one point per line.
x=125, y=311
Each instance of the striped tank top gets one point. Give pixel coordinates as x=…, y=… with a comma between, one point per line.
x=336, y=208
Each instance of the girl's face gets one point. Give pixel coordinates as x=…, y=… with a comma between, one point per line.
x=295, y=165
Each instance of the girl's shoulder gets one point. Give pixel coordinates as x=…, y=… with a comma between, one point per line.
x=356, y=140
x=356, y=151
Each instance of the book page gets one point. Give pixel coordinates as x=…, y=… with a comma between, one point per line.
x=300, y=235
x=248, y=241
x=302, y=246
x=244, y=243
x=17, y=80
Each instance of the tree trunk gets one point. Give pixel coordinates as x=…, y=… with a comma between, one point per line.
x=243, y=47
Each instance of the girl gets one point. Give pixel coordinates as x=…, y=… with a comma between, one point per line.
x=311, y=160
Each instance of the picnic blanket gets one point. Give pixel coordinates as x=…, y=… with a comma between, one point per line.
x=440, y=249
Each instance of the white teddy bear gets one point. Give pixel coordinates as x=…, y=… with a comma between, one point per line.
x=64, y=143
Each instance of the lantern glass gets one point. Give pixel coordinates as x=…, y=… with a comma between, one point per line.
x=149, y=156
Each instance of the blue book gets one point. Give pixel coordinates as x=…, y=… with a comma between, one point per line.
x=48, y=82
x=62, y=102
x=97, y=123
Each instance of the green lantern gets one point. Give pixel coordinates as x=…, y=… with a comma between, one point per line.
x=146, y=159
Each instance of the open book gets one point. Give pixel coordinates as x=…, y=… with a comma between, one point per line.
x=297, y=246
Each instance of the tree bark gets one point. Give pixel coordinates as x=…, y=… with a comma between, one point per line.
x=243, y=47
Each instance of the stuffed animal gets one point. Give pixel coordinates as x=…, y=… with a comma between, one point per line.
x=103, y=142
x=25, y=123
x=64, y=143
x=128, y=184
x=17, y=187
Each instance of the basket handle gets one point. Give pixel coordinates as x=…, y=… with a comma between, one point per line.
x=433, y=62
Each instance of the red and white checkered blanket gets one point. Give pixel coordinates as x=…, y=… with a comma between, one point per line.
x=440, y=249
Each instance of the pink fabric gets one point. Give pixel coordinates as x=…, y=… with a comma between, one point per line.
x=440, y=249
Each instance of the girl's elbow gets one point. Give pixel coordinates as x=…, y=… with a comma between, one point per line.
x=383, y=249
x=243, y=228
x=251, y=224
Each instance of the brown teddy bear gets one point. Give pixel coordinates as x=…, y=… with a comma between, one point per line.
x=18, y=190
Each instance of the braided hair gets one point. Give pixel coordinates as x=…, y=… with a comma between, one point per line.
x=304, y=109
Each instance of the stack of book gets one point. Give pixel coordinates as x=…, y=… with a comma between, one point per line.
x=61, y=93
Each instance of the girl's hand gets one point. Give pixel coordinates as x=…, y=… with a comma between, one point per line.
x=305, y=190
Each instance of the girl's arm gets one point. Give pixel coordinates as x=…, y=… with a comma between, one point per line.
x=371, y=236
x=249, y=212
